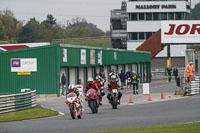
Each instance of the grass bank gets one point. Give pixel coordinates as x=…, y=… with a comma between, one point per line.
x=176, y=128
x=33, y=113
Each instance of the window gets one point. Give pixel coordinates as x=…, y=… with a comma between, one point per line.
x=149, y=16
x=141, y=16
x=171, y=16
x=155, y=16
x=179, y=16
x=141, y=36
x=163, y=16
x=148, y=34
x=134, y=16
x=134, y=36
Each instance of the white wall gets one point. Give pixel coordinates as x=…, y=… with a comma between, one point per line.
x=90, y=72
x=132, y=45
x=143, y=26
x=72, y=75
x=81, y=74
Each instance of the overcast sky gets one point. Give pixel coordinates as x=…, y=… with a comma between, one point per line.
x=95, y=11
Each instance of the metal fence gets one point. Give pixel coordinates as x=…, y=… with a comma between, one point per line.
x=15, y=102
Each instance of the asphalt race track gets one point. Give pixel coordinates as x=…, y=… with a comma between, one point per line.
x=126, y=116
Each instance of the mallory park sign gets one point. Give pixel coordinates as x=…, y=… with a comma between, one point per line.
x=161, y=6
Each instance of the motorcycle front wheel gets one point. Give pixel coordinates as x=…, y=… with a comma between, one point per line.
x=114, y=102
x=72, y=111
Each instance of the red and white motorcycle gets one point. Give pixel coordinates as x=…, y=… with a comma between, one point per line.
x=75, y=105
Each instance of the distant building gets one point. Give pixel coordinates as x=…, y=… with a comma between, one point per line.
x=144, y=19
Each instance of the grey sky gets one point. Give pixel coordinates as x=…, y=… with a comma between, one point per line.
x=95, y=11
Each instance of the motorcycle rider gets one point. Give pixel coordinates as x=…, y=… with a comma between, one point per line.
x=73, y=89
x=114, y=73
x=90, y=85
x=113, y=84
x=99, y=84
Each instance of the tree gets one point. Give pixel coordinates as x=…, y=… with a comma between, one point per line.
x=195, y=12
x=11, y=25
x=3, y=36
x=31, y=32
x=79, y=27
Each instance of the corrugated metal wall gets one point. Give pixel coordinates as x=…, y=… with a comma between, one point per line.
x=45, y=80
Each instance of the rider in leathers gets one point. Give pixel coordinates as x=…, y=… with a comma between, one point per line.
x=113, y=85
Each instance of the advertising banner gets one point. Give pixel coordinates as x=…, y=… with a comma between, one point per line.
x=83, y=56
x=100, y=57
x=115, y=55
x=181, y=32
x=23, y=65
x=92, y=56
x=64, y=55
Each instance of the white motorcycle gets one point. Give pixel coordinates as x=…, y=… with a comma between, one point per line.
x=75, y=105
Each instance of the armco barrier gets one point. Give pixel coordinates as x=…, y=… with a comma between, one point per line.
x=194, y=87
x=15, y=102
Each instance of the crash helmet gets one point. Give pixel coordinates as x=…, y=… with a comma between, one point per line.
x=90, y=80
x=113, y=78
x=98, y=78
x=71, y=88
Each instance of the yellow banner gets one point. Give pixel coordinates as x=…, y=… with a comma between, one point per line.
x=169, y=62
x=23, y=73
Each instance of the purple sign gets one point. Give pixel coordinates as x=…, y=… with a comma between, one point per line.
x=15, y=63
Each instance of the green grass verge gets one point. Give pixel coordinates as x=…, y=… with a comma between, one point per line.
x=176, y=128
x=104, y=43
x=33, y=113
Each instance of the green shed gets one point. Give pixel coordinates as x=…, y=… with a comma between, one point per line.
x=41, y=67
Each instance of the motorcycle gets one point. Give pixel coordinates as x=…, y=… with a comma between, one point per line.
x=93, y=100
x=114, y=98
x=74, y=105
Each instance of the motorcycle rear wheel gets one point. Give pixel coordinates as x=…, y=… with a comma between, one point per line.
x=80, y=115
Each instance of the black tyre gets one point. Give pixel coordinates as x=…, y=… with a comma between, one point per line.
x=114, y=102
x=92, y=106
x=79, y=116
x=72, y=112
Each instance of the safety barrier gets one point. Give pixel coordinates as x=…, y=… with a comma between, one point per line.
x=15, y=102
x=194, y=87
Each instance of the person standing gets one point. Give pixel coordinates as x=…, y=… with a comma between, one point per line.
x=102, y=73
x=129, y=75
x=135, y=83
x=63, y=81
x=122, y=77
x=175, y=73
x=190, y=71
x=169, y=73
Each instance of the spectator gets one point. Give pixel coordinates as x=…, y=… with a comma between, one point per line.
x=169, y=73
x=190, y=71
x=102, y=73
x=129, y=75
x=175, y=73
x=135, y=83
x=63, y=81
x=122, y=78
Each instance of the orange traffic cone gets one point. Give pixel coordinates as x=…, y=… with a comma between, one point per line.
x=149, y=98
x=162, y=95
x=130, y=99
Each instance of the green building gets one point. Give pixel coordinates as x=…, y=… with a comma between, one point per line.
x=41, y=67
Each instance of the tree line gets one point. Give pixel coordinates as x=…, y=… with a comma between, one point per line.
x=15, y=31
